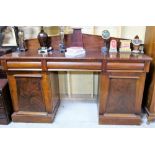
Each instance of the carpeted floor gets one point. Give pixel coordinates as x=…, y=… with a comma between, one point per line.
x=77, y=114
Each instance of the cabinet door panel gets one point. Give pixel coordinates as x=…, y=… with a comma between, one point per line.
x=26, y=92
x=30, y=97
x=121, y=97
x=125, y=93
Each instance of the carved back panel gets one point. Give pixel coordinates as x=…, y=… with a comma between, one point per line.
x=89, y=42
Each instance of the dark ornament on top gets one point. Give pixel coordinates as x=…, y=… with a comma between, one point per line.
x=44, y=42
x=43, y=38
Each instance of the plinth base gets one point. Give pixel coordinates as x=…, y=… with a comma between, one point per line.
x=120, y=119
x=35, y=117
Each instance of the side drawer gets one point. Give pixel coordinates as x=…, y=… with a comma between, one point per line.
x=12, y=65
x=125, y=66
x=74, y=65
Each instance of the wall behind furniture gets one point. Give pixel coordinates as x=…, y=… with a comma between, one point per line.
x=84, y=84
x=115, y=31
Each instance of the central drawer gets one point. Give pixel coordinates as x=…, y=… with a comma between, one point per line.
x=74, y=65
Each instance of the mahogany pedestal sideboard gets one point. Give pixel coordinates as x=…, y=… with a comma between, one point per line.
x=149, y=98
x=34, y=86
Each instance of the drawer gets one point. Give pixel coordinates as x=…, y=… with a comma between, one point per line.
x=23, y=65
x=125, y=66
x=74, y=65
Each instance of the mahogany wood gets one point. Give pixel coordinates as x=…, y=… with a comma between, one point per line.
x=32, y=92
x=121, y=84
x=74, y=65
x=77, y=39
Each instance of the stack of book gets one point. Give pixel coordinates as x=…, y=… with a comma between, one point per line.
x=75, y=52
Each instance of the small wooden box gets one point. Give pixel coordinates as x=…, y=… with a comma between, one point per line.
x=5, y=102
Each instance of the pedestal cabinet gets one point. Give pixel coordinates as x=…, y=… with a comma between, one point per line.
x=122, y=86
x=35, y=96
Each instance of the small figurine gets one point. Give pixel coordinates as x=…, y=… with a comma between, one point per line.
x=113, y=46
x=44, y=42
x=62, y=45
x=136, y=44
x=21, y=41
x=105, y=36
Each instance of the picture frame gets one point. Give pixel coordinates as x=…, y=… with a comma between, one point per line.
x=125, y=45
x=113, y=46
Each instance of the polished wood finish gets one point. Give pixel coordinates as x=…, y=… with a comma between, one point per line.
x=15, y=65
x=89, y=42
x=124, y=93
x=74, y=65
x=34, y=98
x=123, y=66
x=30, y=94
x=5, y=103
x=121, y=84
x=149, y=100
x=77, y=39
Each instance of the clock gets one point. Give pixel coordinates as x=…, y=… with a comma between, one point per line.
x=105, y=34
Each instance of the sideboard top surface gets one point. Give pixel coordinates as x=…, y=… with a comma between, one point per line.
x=90, y=55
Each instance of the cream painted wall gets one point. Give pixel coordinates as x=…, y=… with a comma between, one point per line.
x=115, y=31
x=74, y=83
x=30, y=31
x=130, y=32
